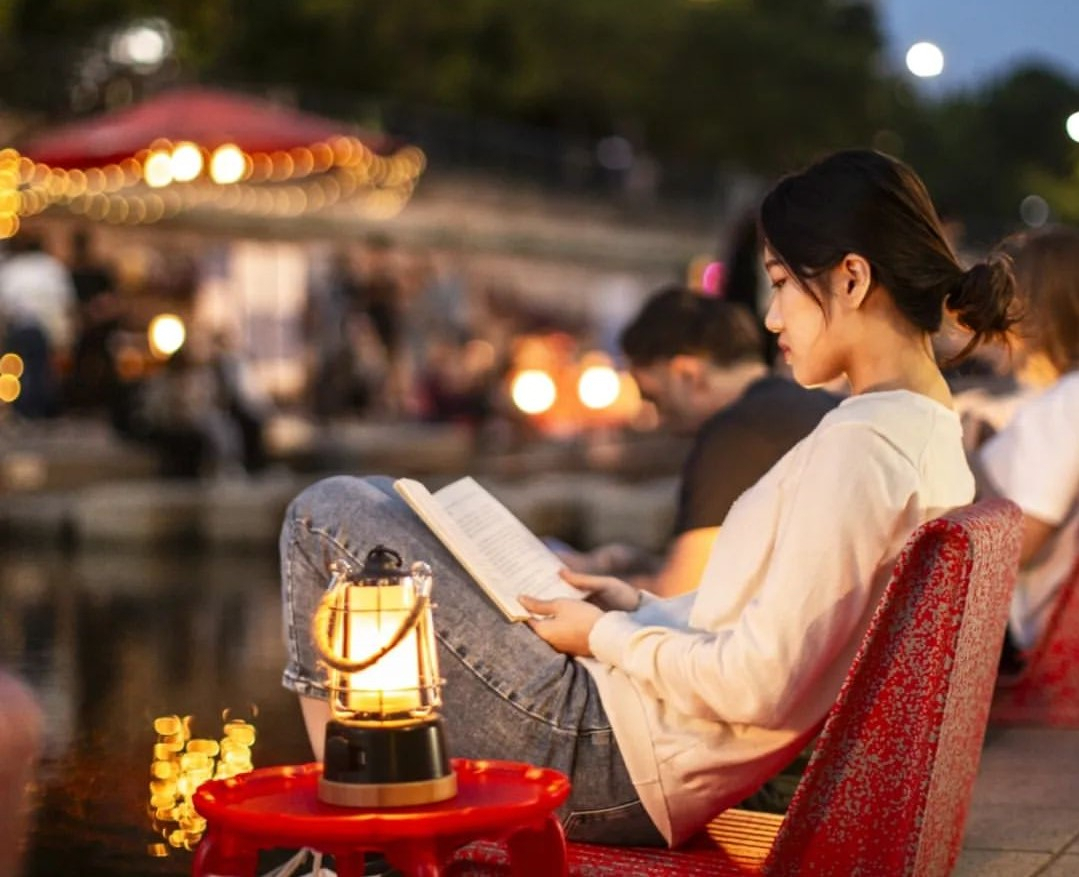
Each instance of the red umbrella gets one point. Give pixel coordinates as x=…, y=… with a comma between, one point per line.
x=204, y=116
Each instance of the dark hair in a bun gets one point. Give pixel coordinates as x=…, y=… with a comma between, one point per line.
x=983, y=299
x=865, y=202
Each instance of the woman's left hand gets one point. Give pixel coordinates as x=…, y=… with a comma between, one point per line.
x=563, y=624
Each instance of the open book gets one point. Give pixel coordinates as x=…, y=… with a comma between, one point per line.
x=500, y=552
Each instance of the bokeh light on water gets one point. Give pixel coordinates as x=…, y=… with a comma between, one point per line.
x=181, y=763
x=110, y=641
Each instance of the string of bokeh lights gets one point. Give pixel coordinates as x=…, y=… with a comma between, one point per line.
x=166, y=179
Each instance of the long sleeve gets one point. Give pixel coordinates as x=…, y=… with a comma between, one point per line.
x=830, y=540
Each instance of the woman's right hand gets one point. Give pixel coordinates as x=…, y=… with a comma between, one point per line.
x=607, y=592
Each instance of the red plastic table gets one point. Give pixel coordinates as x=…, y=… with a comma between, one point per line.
x=279, y=807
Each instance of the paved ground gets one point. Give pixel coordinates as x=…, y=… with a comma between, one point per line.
x=1024, y=818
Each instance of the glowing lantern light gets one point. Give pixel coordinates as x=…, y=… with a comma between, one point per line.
x=598, y=387
x=166, y=335
x=227, y=164
x=533, y=391
x=157, y=170
x=186, y=162
x=384, y=745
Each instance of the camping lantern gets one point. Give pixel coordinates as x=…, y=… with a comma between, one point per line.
x=384, y=742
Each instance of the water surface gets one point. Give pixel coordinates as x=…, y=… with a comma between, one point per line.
x=110, y=640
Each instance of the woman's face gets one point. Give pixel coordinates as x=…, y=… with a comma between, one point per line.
x=807, y=340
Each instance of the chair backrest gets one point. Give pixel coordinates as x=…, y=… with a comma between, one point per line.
x=1057, y=653
x=1047, y=690
x=887, y=789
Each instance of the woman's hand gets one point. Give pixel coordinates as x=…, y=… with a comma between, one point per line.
x=606, y=592
x=563, y=624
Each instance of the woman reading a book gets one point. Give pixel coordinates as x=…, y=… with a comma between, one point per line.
x=665, y=712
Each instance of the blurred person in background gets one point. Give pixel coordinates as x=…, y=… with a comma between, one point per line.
x=700, y=361
x=377, y=296
x=1034, y=459
x=202, y=414
x=37, y=309
x=92, y=383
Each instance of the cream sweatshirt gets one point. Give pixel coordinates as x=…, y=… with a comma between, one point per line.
x=713, y=692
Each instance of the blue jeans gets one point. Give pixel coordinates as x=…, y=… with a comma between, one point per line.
x=508, y=695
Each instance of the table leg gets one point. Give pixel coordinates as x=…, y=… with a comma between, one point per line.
x=219, y=855
x=415, y=857
x=350, y=863
x=538, y=850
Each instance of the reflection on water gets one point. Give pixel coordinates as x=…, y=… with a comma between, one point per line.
x=109, y=641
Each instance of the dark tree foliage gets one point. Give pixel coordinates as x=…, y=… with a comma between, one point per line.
x=751, y=85
x=758, y=84
x=984, y=151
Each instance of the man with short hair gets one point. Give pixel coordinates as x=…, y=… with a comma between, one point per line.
x=699, y=359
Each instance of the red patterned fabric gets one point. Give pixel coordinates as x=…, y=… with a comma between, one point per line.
x=1047, y=690
x=887, y=789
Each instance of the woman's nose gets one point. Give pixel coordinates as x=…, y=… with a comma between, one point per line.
x=772, y=320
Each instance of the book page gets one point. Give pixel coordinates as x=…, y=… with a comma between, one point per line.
x=504, y=557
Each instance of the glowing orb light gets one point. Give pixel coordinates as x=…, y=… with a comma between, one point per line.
x=533, y=391
x=925, y=60
x=598, y=387
x=166, y=335
x=227, y=164
x=186, y=162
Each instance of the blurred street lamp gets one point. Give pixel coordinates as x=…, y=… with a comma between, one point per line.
x=143, y=45
x=925, y=60
x=1072, y=126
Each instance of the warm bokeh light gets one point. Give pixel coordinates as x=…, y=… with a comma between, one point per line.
x=181, y=763
x=157, y=169
x=11, y=364
x=1072, y=126
x=166, y=335
x=186, y=162
x=925, y=60
x=9, y=388
x=598, y=387
x=533, y=391
x=227, y=165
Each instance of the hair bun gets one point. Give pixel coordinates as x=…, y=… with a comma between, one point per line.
x=983, y=297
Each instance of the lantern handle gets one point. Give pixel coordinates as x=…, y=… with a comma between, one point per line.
x=321, y=625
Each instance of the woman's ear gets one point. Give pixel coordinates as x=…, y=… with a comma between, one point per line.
x=854, y=279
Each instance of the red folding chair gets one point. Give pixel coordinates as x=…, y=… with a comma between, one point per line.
x=887, y=789
x=1046, y=692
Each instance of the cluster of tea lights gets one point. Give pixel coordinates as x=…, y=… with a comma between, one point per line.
x=181, y=764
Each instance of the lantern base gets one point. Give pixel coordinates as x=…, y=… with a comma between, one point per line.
x=385, y=767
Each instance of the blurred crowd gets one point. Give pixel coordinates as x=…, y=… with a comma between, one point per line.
x=383, y=333
x=386, y=333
